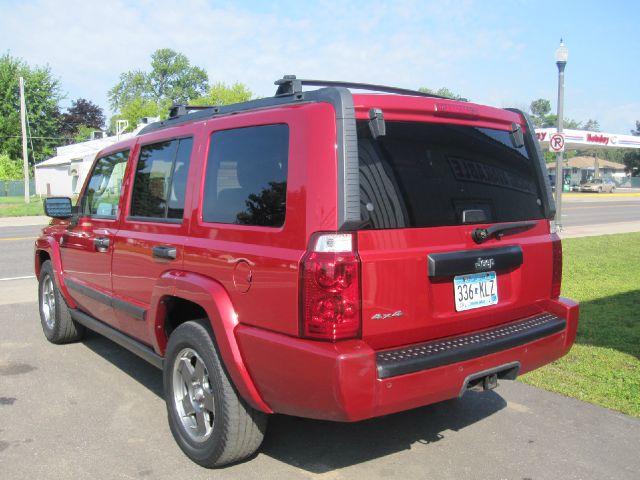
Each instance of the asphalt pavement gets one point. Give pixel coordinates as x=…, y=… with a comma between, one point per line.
x=93, y=410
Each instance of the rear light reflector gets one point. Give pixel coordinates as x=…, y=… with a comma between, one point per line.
x=330, y=289
x=556, y=275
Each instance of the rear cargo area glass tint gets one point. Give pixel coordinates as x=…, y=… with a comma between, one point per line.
x=427, y=175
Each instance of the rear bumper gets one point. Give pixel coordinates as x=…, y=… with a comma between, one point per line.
x=348, y=381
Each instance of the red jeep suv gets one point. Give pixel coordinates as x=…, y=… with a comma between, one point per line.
x=318, y=253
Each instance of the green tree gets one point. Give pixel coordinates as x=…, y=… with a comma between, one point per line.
x=443, y=92
x=631, y=158
x=42, y=95
x=82, y=115
x=222, y=94
x=137, y=108
x=541, y=115
x=172, y=79
x=592, y=125
x=10, y=169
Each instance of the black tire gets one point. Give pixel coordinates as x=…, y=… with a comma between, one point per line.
x=55, y=318
x=235, y=429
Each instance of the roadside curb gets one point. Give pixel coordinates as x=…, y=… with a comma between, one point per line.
x=600, y=229
x=616, y=195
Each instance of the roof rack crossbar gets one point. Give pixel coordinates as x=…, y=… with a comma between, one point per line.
x=289, y=85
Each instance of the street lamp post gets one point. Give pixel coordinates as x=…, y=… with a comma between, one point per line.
x=562, y=54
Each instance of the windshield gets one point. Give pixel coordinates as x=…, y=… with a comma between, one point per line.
x=427, y=175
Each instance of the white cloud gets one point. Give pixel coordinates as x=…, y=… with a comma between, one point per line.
x=409, y=43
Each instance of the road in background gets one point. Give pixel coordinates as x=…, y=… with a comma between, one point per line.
x=16, y=250
x=578, y=210
x=16, y=242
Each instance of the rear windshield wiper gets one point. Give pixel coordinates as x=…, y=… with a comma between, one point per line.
x=481, y=234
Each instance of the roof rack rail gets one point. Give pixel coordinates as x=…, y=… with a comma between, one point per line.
x=289, y=85
x=179, y=109
x=289, y=92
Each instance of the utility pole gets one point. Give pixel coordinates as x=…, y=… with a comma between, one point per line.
x=25, y=158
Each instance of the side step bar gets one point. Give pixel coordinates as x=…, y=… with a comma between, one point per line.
x=457, y=349
x=120, y=338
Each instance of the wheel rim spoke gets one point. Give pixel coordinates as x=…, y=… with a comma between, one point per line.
x=209, y=401
x=48, y=302
x=187, y=405
x=201, y=423
x=193, y=398
x=186, y=370
x=199, y=374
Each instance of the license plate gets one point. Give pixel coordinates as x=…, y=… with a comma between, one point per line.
x=475, y=290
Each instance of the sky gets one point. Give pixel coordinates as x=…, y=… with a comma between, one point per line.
x=500, y=53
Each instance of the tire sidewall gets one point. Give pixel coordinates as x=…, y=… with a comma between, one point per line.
x=50, y=333
x=195, y=336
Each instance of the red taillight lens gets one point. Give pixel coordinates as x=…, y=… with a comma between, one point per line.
x=556, y=276
x=330, y=282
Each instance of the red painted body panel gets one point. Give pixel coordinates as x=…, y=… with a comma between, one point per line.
x=273, y=254
x=423, y=109
x=246, y=278
x=48, y=242
x=339, y=381
x=394, y=278
x=209, y=294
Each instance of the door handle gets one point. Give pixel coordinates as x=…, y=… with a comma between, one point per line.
x=101, y=244
x=164, y=252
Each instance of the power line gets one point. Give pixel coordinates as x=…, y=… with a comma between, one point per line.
x=50, y=138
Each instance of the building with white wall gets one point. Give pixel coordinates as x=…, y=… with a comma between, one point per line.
x=64, y=174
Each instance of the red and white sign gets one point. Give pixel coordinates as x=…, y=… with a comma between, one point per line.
x=556, y=142
x=591, y=140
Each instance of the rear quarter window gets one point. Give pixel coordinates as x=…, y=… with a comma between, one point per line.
x=246, y=176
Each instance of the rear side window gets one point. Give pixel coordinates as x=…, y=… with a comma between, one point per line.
x=161, y=178
x=429, y=175
x=246, y=176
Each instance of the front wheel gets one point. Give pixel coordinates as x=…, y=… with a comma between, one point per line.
x=55, y=318
x=210, y=422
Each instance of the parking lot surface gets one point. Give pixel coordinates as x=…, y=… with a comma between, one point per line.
x=93, y=410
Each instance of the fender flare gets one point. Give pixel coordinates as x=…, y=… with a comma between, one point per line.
x=49, y=245
x=213, y=298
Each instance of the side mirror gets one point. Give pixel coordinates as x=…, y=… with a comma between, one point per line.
x=58, y=207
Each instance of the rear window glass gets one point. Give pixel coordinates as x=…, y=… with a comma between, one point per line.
x=428, y=175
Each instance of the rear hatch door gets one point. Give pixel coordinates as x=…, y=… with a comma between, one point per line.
x=454, y=236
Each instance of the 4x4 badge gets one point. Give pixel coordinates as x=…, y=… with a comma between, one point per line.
x=484, y=263
x=384, y=316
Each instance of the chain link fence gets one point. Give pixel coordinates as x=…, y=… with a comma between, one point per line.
x=15, y=188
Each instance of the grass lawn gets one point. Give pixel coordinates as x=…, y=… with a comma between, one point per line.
x=603, y=367
x=15, y=207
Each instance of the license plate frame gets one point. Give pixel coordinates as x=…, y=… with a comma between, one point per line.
x=475, y=290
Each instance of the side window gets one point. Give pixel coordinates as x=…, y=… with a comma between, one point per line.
x=161, y=179
x=103, y=191
x=246, y=176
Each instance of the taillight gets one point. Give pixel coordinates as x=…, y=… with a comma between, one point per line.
x=556, y=275
x=330, y=288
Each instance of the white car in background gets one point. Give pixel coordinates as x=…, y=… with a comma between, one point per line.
x=598, y=185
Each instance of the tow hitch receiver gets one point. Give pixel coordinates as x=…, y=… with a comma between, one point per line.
x=488, y=380
x=484, y=383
